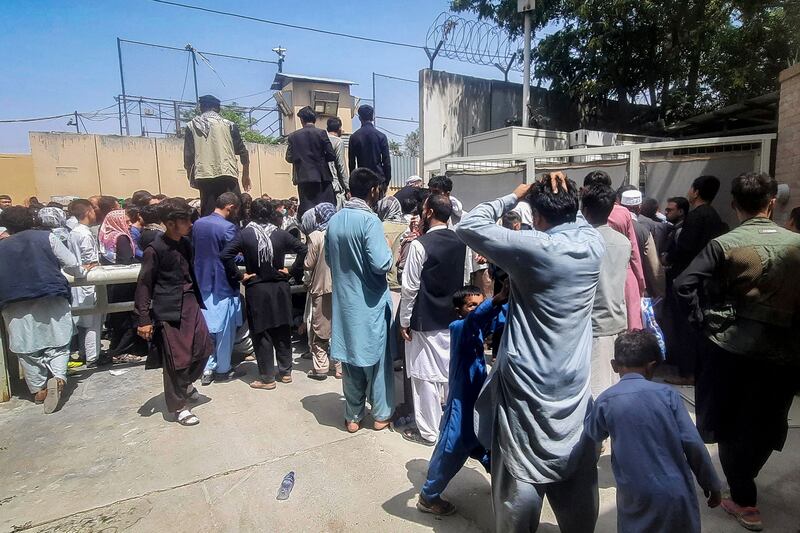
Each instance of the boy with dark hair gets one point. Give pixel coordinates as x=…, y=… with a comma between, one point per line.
x=168, y=308
x=609, y=313
x=152, y=227
x=89, y=326
x=457, y=440
x=655, y=446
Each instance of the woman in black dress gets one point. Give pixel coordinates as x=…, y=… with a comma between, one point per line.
x=269, y=302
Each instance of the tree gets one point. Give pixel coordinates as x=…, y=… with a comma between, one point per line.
x=681, y=57
x=412, y=143
x=245, y=124
x=395, y=148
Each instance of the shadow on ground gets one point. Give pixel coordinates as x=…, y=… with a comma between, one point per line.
x=327, y=408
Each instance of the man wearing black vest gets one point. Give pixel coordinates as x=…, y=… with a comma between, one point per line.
x=434, y=270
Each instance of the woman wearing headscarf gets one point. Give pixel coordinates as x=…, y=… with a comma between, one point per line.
x=269, y=302
x=117, y=247
x=319, y=291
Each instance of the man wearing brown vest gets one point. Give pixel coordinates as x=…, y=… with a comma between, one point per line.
x=210, y=146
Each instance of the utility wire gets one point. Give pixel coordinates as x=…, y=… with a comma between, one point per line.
x=37, y=119
x=286, y=25
x=395, y=78
x=228, y=56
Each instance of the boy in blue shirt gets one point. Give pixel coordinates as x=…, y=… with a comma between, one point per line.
x=457, y=440
x=655, y=446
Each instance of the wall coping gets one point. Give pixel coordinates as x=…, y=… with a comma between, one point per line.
x=789, y=73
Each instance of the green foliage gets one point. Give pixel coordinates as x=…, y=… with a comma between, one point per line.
x=245, y=124
x=682, y=57
x=412, y=143
x=395, y=148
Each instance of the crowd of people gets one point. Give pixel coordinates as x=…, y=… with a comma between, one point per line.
x=551, y=277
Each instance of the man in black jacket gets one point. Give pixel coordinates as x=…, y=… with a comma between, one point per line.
x=369, y=148
x=701, y=225
x=309, y=151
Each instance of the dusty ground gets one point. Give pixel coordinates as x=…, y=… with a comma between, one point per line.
x=108, y=461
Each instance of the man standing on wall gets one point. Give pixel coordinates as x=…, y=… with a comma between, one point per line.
x=309, y=151
x=369, y=148
x=341, y=177
x=210, y=146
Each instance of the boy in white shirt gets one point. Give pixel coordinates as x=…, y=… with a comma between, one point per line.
x=82, y=239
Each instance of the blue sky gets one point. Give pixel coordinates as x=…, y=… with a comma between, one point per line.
x=62, y=56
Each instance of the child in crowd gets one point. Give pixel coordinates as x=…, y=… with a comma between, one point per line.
x=168, y=306
x=655, y=445
x=83, y=241
x=457, y=441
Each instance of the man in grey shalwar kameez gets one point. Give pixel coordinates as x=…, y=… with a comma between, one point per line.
x=531, y=411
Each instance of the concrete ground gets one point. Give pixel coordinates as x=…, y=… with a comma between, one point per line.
x=109, y=461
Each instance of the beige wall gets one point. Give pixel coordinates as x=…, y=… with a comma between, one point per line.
x=16, y=177
x=68, y=164
x=301, y=96
x=787, y=159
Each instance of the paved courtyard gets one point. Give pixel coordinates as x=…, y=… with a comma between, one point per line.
x=108, y=461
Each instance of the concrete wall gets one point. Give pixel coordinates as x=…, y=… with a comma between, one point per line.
x=453, y=106
x=16, y=177
x=302, y=95
x=69, y=164
x=787, y=162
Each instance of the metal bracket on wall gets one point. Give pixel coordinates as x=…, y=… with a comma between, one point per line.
x=432, y=55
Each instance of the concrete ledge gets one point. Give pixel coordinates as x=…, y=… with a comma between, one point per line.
x=789, y=73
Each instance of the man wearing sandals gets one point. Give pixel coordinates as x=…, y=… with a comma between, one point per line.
x=168, y=308
x=36, y=306
x=434, y=270
x=359, y=258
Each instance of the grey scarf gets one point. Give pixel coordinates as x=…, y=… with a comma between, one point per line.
x=263, y=232
x=358, y=203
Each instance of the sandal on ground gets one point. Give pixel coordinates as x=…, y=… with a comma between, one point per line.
x=285, y=379
x=412, y=435
x=318, y=377
x=380, y=425
x=39, y=397
x=351, y=427
x=748, y=517
x=54, y=388
x=258, y=384
x=438, y=507
x=187, y=418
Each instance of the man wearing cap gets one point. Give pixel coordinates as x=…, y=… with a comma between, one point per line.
x=210, y=146
x=413, y=184
x=631, y=199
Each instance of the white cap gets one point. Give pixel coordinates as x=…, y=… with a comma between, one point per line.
x=413, y=179
x=631, y=198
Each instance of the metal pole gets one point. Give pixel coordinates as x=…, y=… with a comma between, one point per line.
x=526, y=74
x=194, y=73
x=141, y=117
x=122, y=82
x=119, y=115
x=77, y=125
x=176, y=112
x=374, y=107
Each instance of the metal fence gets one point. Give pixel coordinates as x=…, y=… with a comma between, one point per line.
x=403, y=167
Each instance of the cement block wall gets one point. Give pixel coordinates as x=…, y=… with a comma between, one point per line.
x=69, y=164
x=787, y=162
x=16, y=177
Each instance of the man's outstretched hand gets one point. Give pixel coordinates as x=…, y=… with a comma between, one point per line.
x=522, y=190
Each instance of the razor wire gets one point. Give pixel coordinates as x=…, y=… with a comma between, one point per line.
x=474, y=41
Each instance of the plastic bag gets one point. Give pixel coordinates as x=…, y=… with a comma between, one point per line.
x=650, y=324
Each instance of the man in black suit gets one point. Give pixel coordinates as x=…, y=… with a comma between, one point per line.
x=309, y=152
x=369, y=148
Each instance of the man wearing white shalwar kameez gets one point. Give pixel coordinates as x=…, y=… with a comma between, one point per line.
x=433, y=272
